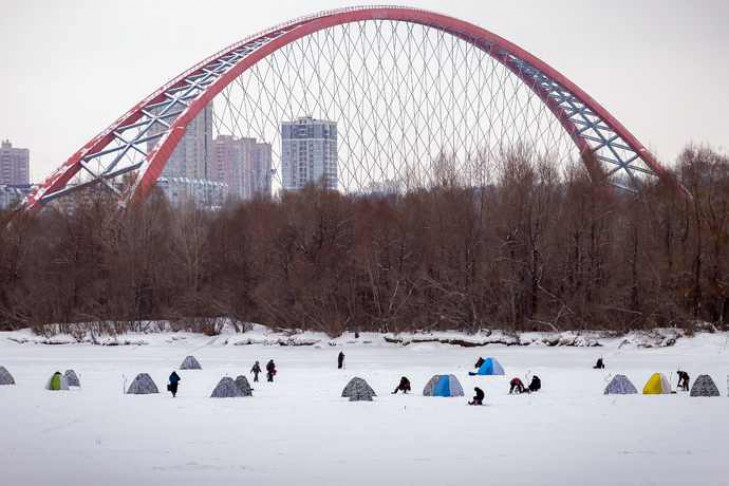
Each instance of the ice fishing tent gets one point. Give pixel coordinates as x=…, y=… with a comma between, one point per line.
x=190, y=363
x=358, y=390
x=443, y=386
x=143, y=384
x=226, y=389
x=704, y=386
x=658, y=384
x=620, y=385
x=490, y=366
x=5, y=377
x=242, y=383
x=57, y=382
x=72, y=378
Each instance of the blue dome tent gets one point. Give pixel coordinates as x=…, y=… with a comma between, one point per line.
x=490, y=366
x=443, y=386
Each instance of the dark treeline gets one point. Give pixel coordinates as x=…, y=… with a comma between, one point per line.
x=538, y=249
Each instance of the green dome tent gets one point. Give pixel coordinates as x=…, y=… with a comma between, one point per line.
x=57, y=382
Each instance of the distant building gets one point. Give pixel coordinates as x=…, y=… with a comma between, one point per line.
x=204, y=193
x=257, y=170
x=193, y=155
x=228, y=164
x=10, y=195
x=244, y=165
x=309, y=153
x=14, y=165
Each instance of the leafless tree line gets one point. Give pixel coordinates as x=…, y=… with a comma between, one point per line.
x=536, y=250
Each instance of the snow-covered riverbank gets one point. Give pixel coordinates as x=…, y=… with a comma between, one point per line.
x=299, y=431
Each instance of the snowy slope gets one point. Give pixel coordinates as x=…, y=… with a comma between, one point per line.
x=299, y=431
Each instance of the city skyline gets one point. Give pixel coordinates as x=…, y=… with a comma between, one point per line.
x=647, y=37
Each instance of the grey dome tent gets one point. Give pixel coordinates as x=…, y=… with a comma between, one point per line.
x=142, y=385
x=226, y=389
x=358, y=390
x=190, y=363
x=620, y=385
x=5, y=377
x=72, y=378
x=704, y=386
x=443, y=386
x=242, y=383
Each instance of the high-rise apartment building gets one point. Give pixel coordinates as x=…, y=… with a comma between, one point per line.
x=244, y=165
x=193, y=156
x=14, y=165
x=309, y=153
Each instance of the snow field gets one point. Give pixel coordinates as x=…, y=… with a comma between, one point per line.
x=299, y=430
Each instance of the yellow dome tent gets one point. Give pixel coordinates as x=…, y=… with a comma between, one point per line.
x=658, y=384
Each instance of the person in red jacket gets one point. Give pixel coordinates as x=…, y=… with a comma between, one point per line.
x=270, y=370
x=516, y=386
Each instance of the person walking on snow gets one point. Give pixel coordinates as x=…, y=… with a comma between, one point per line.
x=478, y=399
x=256, y=370
x=173, y=384
x=270, y=370
x=340, y=360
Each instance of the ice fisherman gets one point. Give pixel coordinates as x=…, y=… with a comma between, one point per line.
x=270, y=370
x=403, y=386
x=536, y=384
x=174, y=382
x=683, y=380
x=516, y=386
x=340, y=360
x=599, y=365
x=256, y=370
x=478, y=398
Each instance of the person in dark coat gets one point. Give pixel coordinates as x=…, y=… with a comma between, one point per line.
x=174, y=383
x=270, y=370
x=478, y=398
x=683, y=380
x=404, y=386
x=340, y=360
x=479, y=363
x=256, y=370
x=536, y=384
x=516, y=386
x=599, y=365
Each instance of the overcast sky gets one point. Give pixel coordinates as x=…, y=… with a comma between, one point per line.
x=68, y=68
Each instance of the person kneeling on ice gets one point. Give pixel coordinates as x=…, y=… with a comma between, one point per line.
x=599, y=365
x=173, y=384
x=516, y=386
x=536, y=384
x=270, y=370
x=478, y=398
x=404, y=386
x=683, y=381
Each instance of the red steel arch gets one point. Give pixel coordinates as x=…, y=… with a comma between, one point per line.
x=600, y=138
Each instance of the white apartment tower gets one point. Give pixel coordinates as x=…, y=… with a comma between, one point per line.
x=309, y=153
